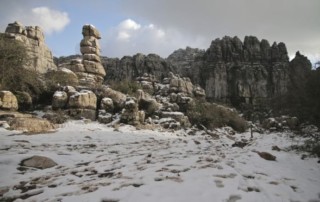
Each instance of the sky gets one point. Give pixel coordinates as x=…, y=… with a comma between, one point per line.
x=128, y=27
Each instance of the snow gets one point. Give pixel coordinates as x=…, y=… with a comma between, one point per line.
x=96, y=163
x=130, y=102
x=59, y=94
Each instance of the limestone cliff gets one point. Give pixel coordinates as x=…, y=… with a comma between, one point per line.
x=233, y=71
x=252, y=71
x=33, y=39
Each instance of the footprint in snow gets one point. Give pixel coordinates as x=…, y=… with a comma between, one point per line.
x=233, y=198
x=219, y=183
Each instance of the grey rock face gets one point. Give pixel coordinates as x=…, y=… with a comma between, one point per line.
x=131, y=67
x=233, y=71
x=33, y=39
x=230, y=70
x=186, y=62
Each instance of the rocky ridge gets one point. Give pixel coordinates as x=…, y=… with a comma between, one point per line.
x=251, y=72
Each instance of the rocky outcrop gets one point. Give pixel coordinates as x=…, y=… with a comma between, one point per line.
x=88, y=68
x=33, y=38
x=186, y=62
x=31, y=125
x=8, y=101
x=251, y=72
x=131, y=114
x=129, y=68
x=300, y=68
x=82, y=104
x=59, y=100
x=117, y=97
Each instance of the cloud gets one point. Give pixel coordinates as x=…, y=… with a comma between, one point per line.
x=294, y=22
x=50, y=20
x=130, y=37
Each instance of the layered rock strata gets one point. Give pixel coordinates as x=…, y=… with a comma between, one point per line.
x=252, y=72
x=33, y=39
x=90, y=50
x=88, y=69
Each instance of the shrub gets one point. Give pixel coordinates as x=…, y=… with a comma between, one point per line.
x=311, y=145
x=213, y=116
x=56, y=117
x=125, y=86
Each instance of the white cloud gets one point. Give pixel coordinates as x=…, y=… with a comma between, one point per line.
x=129, y=25
x=294, y=22
x=130, y=37
x=48, y=19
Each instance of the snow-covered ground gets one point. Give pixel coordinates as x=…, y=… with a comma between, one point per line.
x=96, y=163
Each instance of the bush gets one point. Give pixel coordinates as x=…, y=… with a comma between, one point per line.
x=213, y=116
x=310, y=145
x=126, y=87
x=56, y=117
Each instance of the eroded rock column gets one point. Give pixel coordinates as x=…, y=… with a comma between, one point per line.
x=92, y=73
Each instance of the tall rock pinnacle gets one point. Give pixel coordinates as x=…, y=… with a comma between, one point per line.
x=90, y=71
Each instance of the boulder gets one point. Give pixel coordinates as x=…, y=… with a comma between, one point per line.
x=70, y=90
x=8, y=101
x=107, y=104
x=31, y=125
x=59, y=100
x=131, y=114
x=40, y=162
x=85, y=99
x=90, y=30
x=117, y=97
x=178, y=116
x=267, y=156
x=147, y=103
x=104, y=117
x=62, y=77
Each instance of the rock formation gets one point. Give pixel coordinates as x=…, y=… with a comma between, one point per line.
x=185, y=61
x=131, y=114
x=33, y=39
x=251, y=72
x=8, y=101
x=132, y=67
x=78, y=105
x=88, y=68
